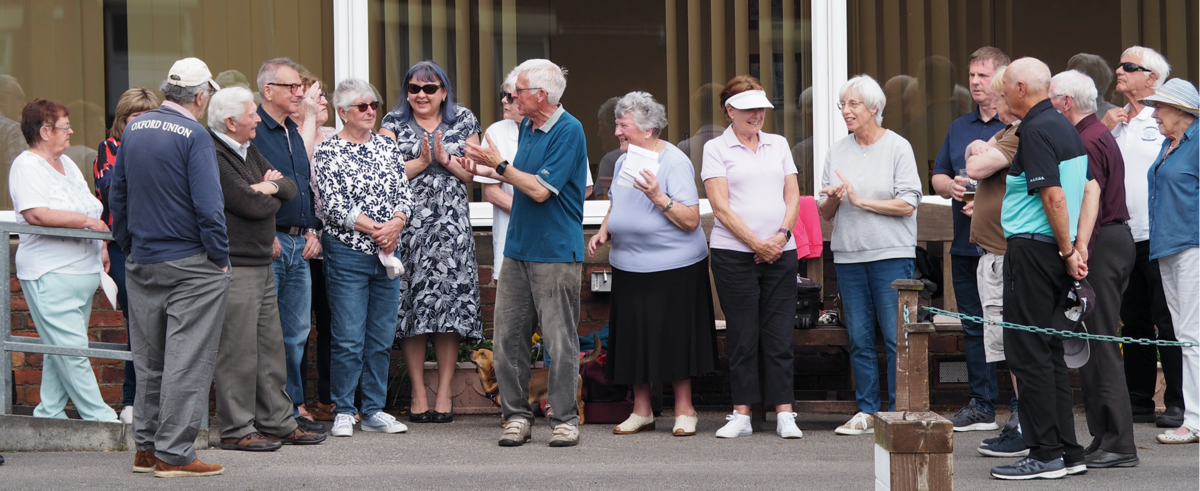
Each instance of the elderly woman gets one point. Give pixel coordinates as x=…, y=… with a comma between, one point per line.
x=1175, y=236
x=504, y=134
x=366, y=201
x=439, y=294
x=870, y=191
x=661, y=324
x=749, y=177
x=58, y=276
x=132, y=104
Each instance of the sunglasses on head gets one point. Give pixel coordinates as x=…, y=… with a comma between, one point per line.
x=428, y=89
x=1133, y=67
x=362, y=108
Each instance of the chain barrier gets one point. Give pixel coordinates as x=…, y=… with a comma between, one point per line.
x=1054, y=332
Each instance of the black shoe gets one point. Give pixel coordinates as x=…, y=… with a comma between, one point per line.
x=1102, y=459
x=424, y=417
x=310, y=425
x=442, y=417
x=1092, y=447
x=1171, y=418
x=1075, y=468
x=1143, y=414
x=1029, y=468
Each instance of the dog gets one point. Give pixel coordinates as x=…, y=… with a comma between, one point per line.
x=539, y=378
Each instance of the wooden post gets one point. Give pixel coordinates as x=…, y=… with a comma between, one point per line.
x=912, y=350
x=913, y=451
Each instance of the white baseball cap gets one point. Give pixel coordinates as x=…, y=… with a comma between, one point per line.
x=750, y=99
x=190, y=72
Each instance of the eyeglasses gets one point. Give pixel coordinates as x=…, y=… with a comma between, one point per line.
x=506, y=98
x=852, y=104
x=1133, y=67
x=428, y=89
x=293, y=88
x=362, y=108
x=325, y=95
x=519, y=90
x=63, y=128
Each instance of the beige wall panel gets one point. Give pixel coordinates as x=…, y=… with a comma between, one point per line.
x=1152, y=24
x=891, y=41
x=239, y=33
x=262, y=32
x=1176, y=49
x=287, y=29
x=312, y=52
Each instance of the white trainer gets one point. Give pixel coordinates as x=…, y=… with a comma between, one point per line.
x=343, y=425
x=382, y=422
x=127, y=415
x=738, y=425
x=861, y=423
x=785, y=426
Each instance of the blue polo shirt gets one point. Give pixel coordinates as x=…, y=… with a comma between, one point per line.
x=550, y=231
x=952, y=158
x=1050, y=154
x=1174, y=199
x=284, y=148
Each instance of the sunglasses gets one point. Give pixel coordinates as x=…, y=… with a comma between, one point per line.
x=1133, y=67
x=506, y=98
x=428, y=89
x=362, y=108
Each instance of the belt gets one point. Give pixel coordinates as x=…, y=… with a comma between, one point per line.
x=1038, y=237
x=291, y=230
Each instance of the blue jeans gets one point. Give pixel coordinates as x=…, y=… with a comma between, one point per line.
x=981, y=375
x=869, y=301
x=293, y=287
x=116, y=271
x=363, y=304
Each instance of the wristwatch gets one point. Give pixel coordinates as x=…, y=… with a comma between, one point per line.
x=501, y=167
x=787, y=234
x=1067, y=255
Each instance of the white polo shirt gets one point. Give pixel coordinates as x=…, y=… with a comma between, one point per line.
x=1140, y=143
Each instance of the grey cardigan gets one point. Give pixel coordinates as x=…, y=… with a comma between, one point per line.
x=249, y=214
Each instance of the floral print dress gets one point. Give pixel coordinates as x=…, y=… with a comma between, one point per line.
x=439, y=292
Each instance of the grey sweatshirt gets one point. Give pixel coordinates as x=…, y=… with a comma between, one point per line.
x=883, y=170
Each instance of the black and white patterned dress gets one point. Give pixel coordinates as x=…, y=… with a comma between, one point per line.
x=439, y=292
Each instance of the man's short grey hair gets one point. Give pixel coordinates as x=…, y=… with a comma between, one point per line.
x=269, y=73
x=1154, y=61
x=1079, y=86
x=351, y=90
x=545, y=75
x=182, y=95
x=647, y=113
x=870, y=92
x=1034, y=72
x=229, y=102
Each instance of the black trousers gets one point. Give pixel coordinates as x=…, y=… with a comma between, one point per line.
x=1143, y=307
x=759, y=301
x=1109, y=418
x=320, y=308
x=1034, y=278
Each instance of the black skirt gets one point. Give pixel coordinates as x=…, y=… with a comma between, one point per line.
x=661, y=326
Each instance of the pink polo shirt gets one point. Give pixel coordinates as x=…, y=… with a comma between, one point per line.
x=756, y=182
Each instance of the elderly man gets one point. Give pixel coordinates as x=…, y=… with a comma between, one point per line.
x=168, y=216
x=296, y=224
x=253, y=410
x=1109, y=418
x=1044, y=202
x=980, y=124
x=1144, y=306
x=543, y=254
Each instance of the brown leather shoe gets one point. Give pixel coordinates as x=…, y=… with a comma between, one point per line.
x=253, y=442
x=144, y=460
x=298, y=437
x=322, y=412
x=194, y=469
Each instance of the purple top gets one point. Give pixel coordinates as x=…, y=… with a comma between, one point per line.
x=1108, y=168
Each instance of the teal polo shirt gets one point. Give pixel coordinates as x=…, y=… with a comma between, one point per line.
x=1050, y=154
x=556, y=154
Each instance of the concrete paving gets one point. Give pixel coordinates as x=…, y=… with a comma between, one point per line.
x=464, y=454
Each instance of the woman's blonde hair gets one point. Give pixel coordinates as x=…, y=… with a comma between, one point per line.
x=134, y=100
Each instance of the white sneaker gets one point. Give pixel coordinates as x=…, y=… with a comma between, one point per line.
x=861, y=423
x=343, y=425
x=738, y=425
x=382, y=422
x=785, y=426
x=127, y=415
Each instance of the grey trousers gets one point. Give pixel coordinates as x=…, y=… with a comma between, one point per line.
x=175, y=313
x=251, y=367
x=1102, y=378
x=530, y=291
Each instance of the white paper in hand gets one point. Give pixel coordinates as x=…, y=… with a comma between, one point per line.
x=110, y=288
x=636, y=159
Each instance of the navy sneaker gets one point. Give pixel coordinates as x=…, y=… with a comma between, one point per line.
x=1011, y=444
x=1029, y=468
x=972, y=418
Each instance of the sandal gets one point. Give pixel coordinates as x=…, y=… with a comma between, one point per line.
x=1173, y=438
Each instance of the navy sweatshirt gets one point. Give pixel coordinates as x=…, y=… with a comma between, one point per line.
x=166, y=199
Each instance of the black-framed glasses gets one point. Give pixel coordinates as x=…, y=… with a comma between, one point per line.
x=427, y=88
x=519, y=90
x=293, y=88
x=325, y=95
x=853, y=104
x=506, y=98
x=362, y=108
x=1133, y=67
